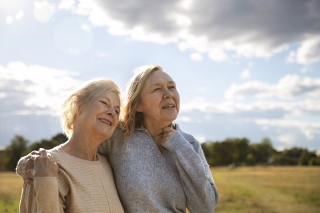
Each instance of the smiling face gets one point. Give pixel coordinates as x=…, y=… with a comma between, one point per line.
x=100, y=117
x=160, y=100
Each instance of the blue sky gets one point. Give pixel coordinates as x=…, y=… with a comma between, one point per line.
x=243, y=68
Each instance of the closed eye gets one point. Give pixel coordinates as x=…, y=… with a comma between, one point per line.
x=172, y=87
x=105, y=103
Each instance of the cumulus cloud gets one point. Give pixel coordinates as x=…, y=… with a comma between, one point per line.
x=288, y=87
x=32, y=89
x=290, y=105
x=308, y=52
x=309, y=129
x=221, y=29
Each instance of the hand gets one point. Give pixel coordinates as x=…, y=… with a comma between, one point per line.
x=29, y=168
x=44, y=166
x=167, y=132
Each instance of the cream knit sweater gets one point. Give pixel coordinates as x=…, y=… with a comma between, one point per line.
x=82, y=186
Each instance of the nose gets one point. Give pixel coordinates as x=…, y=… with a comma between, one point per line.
x=111, y=111
x=167, y=93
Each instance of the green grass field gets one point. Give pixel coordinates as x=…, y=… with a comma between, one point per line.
x=268, y=189
x=10, y=190
x=242, y=190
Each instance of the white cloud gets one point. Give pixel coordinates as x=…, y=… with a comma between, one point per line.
x=221, y=29
x=288, y=87
x=309, y=129
x=66, y=4
x=291, y=104
x=33, y=89
x=287, y=139
x=307, y=53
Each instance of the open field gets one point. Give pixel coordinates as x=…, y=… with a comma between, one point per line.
x=242, y=190
x=268, y=189
x=10, y=189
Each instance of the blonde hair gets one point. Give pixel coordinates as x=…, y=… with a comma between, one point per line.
x=131, y=118
x=82, y=98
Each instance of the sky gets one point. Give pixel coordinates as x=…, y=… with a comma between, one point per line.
x=245, y=68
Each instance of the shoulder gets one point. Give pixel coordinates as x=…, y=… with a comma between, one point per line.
x=190, y=138
x=186, y=136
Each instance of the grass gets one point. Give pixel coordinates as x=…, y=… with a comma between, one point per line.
x=242, y=190
x=10, y=190
x=268, y=189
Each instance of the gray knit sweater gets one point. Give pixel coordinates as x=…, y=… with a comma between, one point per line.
x=150, y=181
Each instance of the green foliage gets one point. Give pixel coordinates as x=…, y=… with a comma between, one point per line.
x=235, y=151
x=232, y=151
x=19, y=148
x=14, y=151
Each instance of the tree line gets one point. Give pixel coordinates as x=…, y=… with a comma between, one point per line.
x=240, y=152
x=230, y=152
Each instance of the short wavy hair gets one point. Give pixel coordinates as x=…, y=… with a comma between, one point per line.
x=82, y=98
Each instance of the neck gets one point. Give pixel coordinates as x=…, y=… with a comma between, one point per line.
x=81, y=147
x=156, y=132
x=155, y=127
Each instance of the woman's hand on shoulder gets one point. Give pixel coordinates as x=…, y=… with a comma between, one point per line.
x=44, y=165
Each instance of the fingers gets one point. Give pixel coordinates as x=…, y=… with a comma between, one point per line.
x=40, y=164
x=167, y=131
x=34, y=152
x=44, y=166
x=43, y=152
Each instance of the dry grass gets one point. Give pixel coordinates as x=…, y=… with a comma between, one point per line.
x=242, y=190
x=10, y=189
x=268, y=189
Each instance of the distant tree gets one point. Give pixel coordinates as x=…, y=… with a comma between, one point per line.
x=4, y=156
x=229, y=151
x=305, y=157
x=260, y=153
x=208, y=152
x=60, y=138
x=292, y=156
x=14, y=151
x=239, y=150
x=47, y=144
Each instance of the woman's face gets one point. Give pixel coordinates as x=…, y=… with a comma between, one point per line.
x=160, y=100
x=101, y=116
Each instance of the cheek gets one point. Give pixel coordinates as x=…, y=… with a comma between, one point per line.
x=177, y=99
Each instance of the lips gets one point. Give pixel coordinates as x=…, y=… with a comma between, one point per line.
x=105, y=121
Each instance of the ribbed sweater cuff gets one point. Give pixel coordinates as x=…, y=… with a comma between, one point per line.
x=175, y=142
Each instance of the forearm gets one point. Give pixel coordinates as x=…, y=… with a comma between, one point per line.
x=195, y=174
x=47, y=195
